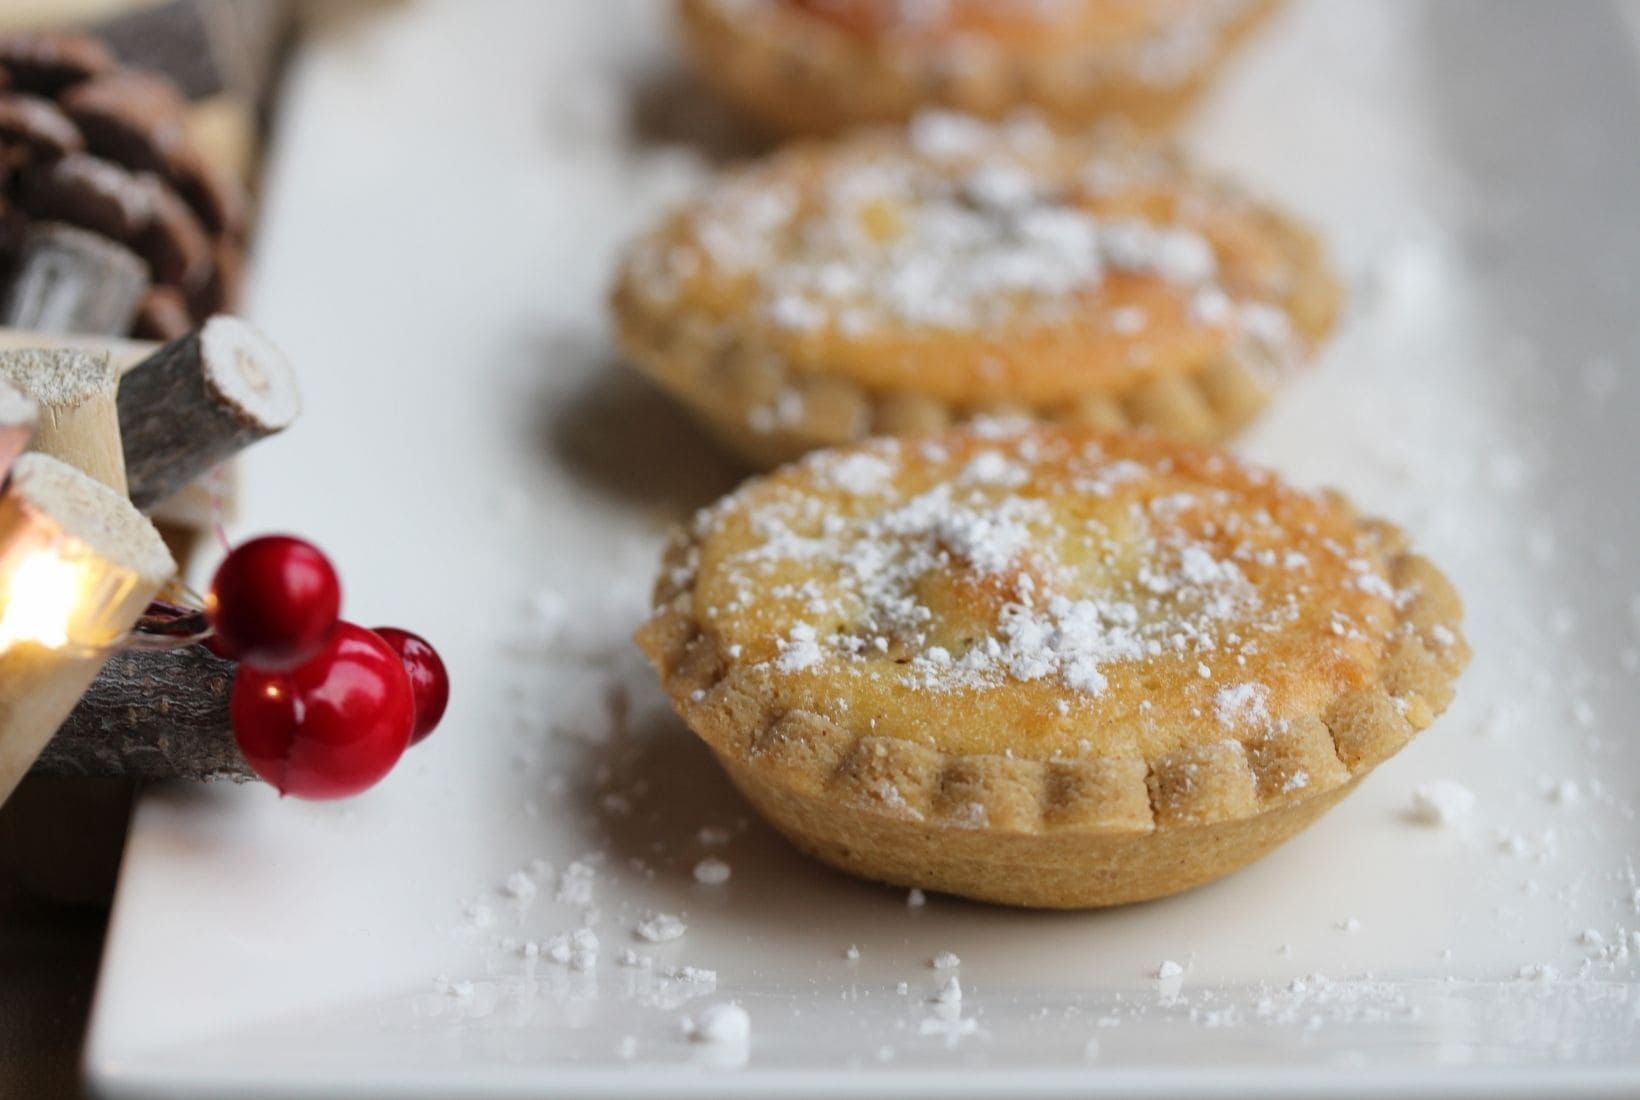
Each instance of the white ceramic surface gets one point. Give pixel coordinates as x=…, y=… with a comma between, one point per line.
x=448, y=189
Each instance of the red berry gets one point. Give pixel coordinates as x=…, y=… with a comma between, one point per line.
x=428, y=678
x=274, y=603
x=331, y=727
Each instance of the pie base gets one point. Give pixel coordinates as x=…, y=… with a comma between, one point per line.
x=1055, y=870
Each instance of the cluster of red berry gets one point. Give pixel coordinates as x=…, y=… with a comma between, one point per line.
x=321, y=708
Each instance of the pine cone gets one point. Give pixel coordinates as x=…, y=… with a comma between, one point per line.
x=88, y=144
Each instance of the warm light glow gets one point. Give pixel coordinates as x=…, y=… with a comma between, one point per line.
x=41, y=597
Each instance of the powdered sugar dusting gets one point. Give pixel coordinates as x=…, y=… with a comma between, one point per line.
x=1441, y=802
x=1242, y=705
x=951, y=568
x=955, y=225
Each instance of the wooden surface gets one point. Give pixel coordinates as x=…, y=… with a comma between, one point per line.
x=78, y=423
x=151, y=715
x=199, y=400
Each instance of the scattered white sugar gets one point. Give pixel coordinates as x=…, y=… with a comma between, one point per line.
x=558, y=948
x=1090, y=1050
x=1185, y=257
x=948, y=1023
x=1591, y=937
x=520, y=886
x=480, y=915
x=966, y=224
x=945, y=135
x=993, y=468
x=575, y=884
x=949, y=993
x=915, y=898
x=1565, y=792
x=725, y=1023
x=545, y=613
x=799, y=650
x=712, y=871
x=796, y=312
x=853, y=953
x=1582, y=713
x=713, y=836
x=945, y=960
x=530, y=949
x=696, y=974
x=578, y=948
x=902, y=988
x=1441, y=802
x=1539, y=972
x=626, y=1049
x=1128, y=320
x=1242, y=705
x=1349, y=924
x=1211, y=306
x=1002, y=186
x=861, y=474
x=972, y=522
x=1168, y=969
x=661, y=927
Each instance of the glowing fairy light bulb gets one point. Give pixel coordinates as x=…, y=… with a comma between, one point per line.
x=78, y=565
x=42, y=595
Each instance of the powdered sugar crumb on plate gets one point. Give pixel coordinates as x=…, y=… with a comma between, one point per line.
x=712, y=871
x=1440, y=802
x=661, y=928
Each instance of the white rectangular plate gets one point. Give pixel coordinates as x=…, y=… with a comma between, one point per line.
x=450, y=187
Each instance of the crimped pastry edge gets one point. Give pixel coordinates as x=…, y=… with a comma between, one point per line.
x=796, y=77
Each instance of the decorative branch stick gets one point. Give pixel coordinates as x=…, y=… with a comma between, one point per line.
x=18, y=415
x=152, y=714
x=197, y=401
x=72, y=280
x=79, y=423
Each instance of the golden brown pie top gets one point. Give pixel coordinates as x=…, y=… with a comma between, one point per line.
x=977, y=262
x=1052, y=594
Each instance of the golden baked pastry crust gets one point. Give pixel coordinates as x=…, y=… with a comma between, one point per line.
x=904, y=281
x=1046, y=666
x=800, y=67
